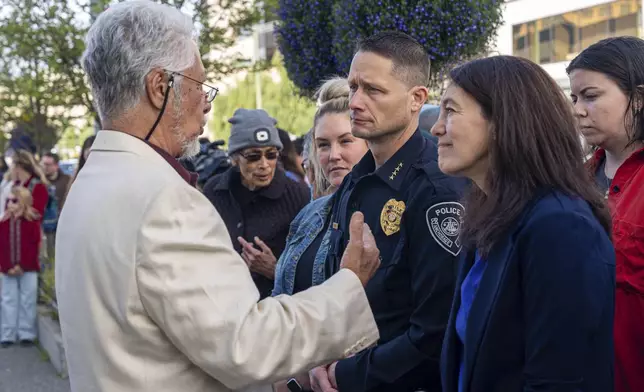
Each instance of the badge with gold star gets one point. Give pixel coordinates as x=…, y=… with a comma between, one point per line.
x=391, y=216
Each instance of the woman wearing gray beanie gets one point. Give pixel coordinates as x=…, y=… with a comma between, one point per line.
x=255, y=198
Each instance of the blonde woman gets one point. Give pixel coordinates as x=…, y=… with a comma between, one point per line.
x=320, y=186
x=20, y=237
x=26, y=172
x=333, y=153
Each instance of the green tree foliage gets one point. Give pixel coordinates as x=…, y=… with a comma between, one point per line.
x=40, y=80
x=279, y=98
x=71, y=140
x=270, y=10
x=220, y=23
x=3, y=142
x=42, y=86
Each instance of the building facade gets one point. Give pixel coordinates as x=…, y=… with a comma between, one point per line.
x=552, y=32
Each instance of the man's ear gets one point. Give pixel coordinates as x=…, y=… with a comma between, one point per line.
x=419, y=97
x=156, y=84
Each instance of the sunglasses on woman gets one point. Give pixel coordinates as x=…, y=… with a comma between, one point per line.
x=255, y=156
x=12, y=200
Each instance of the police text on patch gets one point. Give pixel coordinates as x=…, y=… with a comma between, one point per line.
x=444, y=223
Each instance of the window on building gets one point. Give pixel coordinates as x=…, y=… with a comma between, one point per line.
x=605, y=11
x=560, y=38
x=545, y=46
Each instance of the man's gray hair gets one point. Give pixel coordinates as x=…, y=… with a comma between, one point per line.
x=125, y=43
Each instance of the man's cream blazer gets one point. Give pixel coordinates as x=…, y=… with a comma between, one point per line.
x=153, y=298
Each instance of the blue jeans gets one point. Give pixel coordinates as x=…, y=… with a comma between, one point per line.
x=19, y=296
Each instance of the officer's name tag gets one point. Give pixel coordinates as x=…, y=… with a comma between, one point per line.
x=444, y=223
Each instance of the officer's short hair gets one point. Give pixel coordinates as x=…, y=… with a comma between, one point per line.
x=411, y=61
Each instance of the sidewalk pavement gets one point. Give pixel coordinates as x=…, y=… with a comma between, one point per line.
x=25, y=369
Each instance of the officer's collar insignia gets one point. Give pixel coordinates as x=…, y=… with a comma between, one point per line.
x=395, y=172
x=391, y=216
x=335, y=226
x=444, y=222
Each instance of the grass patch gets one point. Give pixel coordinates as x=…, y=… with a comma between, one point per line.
x=44, y=356
x=48, y=286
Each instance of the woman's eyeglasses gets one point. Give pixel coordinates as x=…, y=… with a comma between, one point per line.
x=12, y=200
x=255, y=156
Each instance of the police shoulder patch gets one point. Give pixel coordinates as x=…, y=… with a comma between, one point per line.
x=444, y=222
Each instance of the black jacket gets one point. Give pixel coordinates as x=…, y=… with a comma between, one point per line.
x=542, y=316
x=266, y=213
x=414, y=212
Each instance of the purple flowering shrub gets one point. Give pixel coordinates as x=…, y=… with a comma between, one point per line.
x=305, y=35
x=317, y=37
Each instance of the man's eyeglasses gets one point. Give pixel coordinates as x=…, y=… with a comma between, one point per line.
x=255, y=156
x=210, y=91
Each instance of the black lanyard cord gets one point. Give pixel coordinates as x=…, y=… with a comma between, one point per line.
x=165, y=102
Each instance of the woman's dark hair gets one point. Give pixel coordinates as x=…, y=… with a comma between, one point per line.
x=3, y=165
x=534, y=145
x=288, y=155
x=87, y=144
x=299, y=145
x=622, y=60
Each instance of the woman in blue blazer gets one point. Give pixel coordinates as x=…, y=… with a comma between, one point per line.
x=533, y=309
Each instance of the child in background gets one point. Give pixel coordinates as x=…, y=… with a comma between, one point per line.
x=20, y=236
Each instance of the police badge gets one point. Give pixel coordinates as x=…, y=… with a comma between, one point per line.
x=391, y=216
x=444, y=223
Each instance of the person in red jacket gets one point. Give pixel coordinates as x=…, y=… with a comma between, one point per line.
x=20, y=237
x=607, y=86
x=19, y=244
x=28, y=173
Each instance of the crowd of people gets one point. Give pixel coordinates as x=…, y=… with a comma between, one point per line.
x=32, y=195
x=492, y=253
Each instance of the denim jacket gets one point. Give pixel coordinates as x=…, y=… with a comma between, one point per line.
x=304, y=229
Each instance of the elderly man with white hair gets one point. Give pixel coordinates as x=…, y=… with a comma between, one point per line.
x=152, y=296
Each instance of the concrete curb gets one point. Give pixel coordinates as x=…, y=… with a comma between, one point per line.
x=51, y=340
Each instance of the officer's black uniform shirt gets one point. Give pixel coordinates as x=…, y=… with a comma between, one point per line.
x=414, y=213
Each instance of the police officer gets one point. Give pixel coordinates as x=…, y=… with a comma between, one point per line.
x=414, y=213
